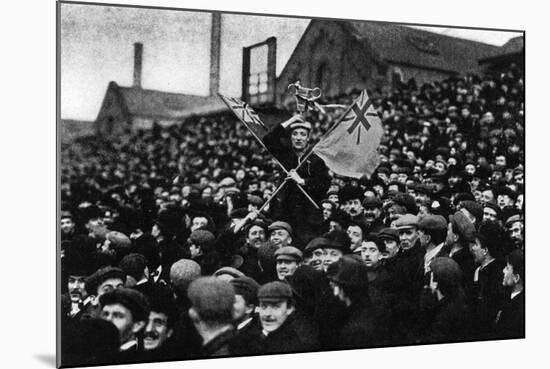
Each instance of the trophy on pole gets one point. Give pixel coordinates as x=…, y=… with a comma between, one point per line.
x=306, y=98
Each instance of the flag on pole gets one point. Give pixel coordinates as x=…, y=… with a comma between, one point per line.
x=247, y=115
x=350, y=148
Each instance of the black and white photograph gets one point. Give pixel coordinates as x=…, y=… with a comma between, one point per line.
x=236, y=184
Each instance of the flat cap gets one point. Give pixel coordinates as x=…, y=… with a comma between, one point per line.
x=432, y=223
x=183, y=272
x=473, y=208
x=389, y=233
x=406, y=221
x=100, y=276
x=274, y=291
x=463, y=227
x=305, y=125
x=212, y=298
x=202, y=237
x=235, y=273
x=493, y=206
x=511, y=220
x=119, y=241
x=288, y=253
x=133, y=300
x=280, y=225
x=247, y=288
x=349, y=272
x=446, y=271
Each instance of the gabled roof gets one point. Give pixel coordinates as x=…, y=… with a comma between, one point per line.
x=415, y=47
x=166, y=105
x=514, y=46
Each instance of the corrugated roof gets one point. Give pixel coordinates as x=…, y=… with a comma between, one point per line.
x=168, y=105
x=411, y=46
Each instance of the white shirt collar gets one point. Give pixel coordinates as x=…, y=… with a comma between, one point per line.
x=430, y=255
x=244, y=323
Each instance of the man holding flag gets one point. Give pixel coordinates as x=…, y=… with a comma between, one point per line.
x=288, y=142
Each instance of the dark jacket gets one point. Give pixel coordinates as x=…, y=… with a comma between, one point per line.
x=220, y=345
x=293, y=206
x=285, y=339
x=449, y=323
x=360, y=328
x=488, y=294
x=511, y=319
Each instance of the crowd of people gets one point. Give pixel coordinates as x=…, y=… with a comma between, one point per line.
x=169, y=250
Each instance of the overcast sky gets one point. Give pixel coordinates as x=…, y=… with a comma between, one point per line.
x=97, y=47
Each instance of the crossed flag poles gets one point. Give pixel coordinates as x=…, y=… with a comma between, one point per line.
x=357, y=114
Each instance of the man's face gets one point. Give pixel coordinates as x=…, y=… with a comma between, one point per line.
x=315, y=259
x=76, y=288
x=255, y=237
x=109, y=285
x=122, y=318
x=391, y=247
x=424, y=238
x=372, y=213
x=509, y=278
x=516, y=233
x=285, y=268
x=477, y=251
x=97, y=228
x=439, y=166
x=298, y=138
x=407, y=237
x=198, y=222
x=504, y=200
x=334, y=198
x=334, y=226
x=327, y=210
x=331, y=256
x=500, y=160
x=487, y=196
x=156, y=331
x=356, y=236
x=353, y=207
x=489, y=214
x=67, y=225
x=280, y=237
x=274, y=313
x=470, y=169
x=241, y=310
x=194, y=250
x=402, y=177
x=370, y=254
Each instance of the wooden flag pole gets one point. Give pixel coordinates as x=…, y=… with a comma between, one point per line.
x=273, y=156
x=327, y=133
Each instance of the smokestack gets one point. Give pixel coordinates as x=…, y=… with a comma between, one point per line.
x=215, y=41
x=138, y=53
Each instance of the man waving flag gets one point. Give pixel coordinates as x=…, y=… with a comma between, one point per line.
x=349, y=148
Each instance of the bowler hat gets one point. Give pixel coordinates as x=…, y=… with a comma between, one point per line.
x=350, y=272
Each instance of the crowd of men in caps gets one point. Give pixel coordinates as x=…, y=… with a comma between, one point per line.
x=165, y=256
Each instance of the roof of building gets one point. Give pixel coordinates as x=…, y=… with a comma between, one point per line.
x=410, y=46
x=168, y=105
x=513, y=46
